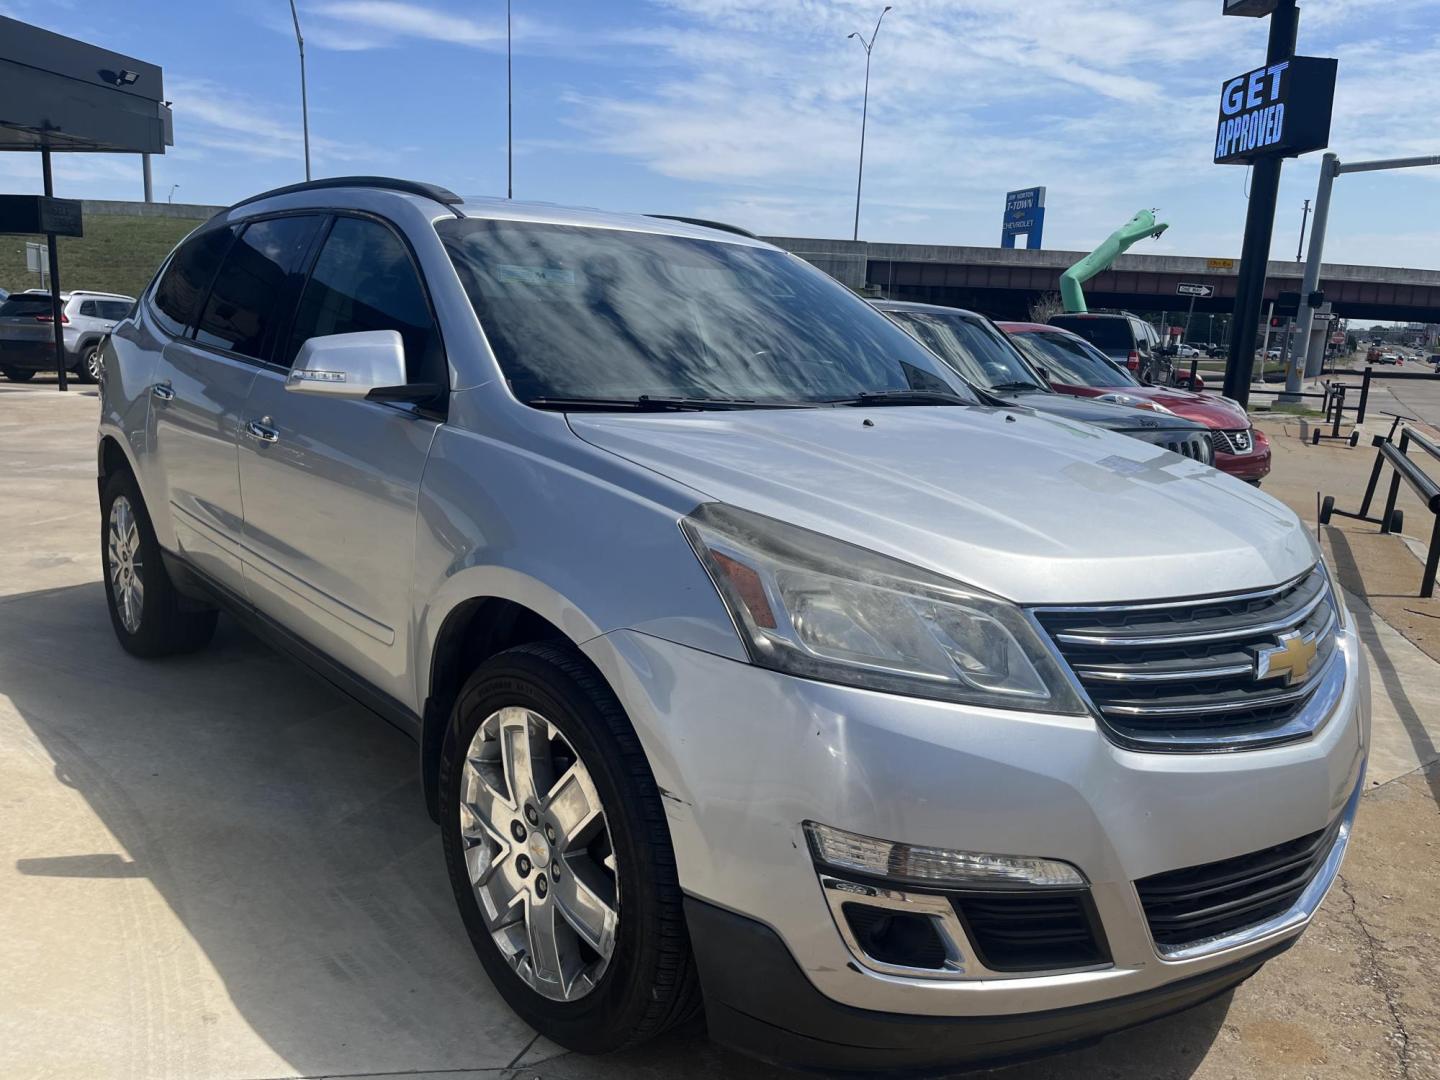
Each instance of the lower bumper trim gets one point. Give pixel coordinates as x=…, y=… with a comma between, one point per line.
x=758, y=1001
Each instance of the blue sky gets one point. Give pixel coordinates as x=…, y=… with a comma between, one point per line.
x=749, y=112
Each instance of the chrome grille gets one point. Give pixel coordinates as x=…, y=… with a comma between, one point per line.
x=1233, y=442
x=1210, y=673
x=1196, y=446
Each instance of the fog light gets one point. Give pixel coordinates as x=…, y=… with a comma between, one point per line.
x=935, y=866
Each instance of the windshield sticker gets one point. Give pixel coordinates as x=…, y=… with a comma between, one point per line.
x=534, y=275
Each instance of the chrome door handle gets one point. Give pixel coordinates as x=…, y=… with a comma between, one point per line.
x=260, y=429
x=163, y=391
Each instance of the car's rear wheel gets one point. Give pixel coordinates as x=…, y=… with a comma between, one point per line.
x=18, y=374
x=559, y=855
x=89, y=369
x=149, y=616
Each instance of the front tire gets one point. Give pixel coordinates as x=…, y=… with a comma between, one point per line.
x=18, y=374
x=146, y=611
x=559, y=854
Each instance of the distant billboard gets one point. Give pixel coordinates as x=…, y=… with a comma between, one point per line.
x=1024, y=216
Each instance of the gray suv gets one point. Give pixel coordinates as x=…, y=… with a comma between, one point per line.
x=753, y=663
x=27, y=331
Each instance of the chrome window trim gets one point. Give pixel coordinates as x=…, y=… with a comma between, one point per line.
x=1298, y=914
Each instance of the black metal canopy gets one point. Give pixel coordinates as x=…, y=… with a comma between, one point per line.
x=64, y=95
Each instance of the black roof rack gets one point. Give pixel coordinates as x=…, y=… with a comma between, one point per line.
x=388, y=183
x=706, y=224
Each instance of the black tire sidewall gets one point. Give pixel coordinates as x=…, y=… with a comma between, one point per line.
x=604, y=1019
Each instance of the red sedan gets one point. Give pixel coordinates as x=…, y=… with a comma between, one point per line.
x=1074, y=366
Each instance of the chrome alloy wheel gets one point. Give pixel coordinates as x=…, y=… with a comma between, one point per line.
x=94, y=365
x=537, y=846
x=127, y=567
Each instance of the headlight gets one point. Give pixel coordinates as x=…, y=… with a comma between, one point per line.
x=817, y=607
x=1116, y=398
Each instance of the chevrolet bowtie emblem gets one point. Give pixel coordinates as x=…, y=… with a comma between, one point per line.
x=1290, y=658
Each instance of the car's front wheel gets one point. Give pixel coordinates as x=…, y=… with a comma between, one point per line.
x=149, y=616
x=559, y=854
x=18, y=374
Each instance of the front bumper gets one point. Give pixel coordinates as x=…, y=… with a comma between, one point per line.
x=1254, y=466
x=744, y=755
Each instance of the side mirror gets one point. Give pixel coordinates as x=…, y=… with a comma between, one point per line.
x=349, y=365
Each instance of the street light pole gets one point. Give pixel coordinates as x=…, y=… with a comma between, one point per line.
x=868, y=46
x=304, y=103
x=1304, y=217
x=171, y=197
x=509, y=112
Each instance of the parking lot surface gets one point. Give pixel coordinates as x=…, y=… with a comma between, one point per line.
x=217, y=867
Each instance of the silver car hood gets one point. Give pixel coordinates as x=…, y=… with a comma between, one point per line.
x=1031, y=508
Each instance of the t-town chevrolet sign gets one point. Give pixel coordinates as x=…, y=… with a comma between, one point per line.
x=1281, y=109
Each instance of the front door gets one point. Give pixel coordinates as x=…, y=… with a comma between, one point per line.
x=204, y=378
x=331, y=485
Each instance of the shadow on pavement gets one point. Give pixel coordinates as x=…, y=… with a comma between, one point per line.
x=284, y=828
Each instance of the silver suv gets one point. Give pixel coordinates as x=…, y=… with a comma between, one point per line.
x=751, y=661
x=27, y=331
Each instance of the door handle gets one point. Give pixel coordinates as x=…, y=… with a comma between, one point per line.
x=261, y=429
x=164, y=391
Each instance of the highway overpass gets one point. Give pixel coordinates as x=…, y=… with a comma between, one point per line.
x=1003, y=282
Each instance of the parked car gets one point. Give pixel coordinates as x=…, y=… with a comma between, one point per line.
x=27, y=335
x=753, y=660
x=1186, y=352
x=1127, y=339
x=1074, y=366
x=986, y=359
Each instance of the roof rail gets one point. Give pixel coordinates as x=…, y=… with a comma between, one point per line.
x=388, y=183
x=707, y=224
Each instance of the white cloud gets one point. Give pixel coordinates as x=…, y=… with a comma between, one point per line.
x=391, y=17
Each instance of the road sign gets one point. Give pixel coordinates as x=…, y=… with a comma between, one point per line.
x=37, y=258
x=1189, y=288
x=1219, y=264
x=1282, y=109
x=1256, y=9
x=40, y=214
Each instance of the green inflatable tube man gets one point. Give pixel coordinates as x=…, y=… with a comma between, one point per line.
x=1102, y=258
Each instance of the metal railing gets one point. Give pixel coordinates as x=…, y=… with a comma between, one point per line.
x=1391, y=520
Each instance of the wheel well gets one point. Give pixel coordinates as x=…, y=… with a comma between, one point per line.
x=472, y=633
x=112, y=459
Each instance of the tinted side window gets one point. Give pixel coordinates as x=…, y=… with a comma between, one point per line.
x=87, y=307
x=244, y=300
x=187, y=277
x=364, y=280
x=112, y=309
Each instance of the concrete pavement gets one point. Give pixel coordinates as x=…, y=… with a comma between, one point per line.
x=217, y=868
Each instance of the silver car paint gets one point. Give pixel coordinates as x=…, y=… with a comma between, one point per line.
x=576, y=518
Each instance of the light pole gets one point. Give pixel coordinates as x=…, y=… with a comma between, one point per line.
x=1304, y=217
x=171, y=197
x=868, y=46
x=304, y=104
x=509, y=111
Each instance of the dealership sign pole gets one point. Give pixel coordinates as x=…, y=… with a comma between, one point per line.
x=1266, y=115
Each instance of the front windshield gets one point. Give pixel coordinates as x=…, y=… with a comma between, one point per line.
x=973, y=347
x=584, y=314
x=1072, y=360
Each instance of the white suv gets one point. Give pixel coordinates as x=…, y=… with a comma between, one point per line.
x=749, y=656
x=27, y=331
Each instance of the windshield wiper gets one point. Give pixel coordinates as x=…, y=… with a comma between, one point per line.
x=902, y=397
x=648, y=403
x=1002, y=387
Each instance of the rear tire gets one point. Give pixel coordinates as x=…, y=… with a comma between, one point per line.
x=18, y=374
x=88, y=370
x=505, y=834
x=146, y=611
x=1327, y=508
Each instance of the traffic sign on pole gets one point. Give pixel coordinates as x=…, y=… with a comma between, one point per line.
x=1189, y=288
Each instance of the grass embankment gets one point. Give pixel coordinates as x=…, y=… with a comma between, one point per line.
x=117, y=254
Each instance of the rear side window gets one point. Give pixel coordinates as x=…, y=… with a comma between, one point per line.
x=114, y=310
x=1112, y=335
x=245, y=298
x=87, y=307
x=20, y=306
x=187, y=277
x=364, y=280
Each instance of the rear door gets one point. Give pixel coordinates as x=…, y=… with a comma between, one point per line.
x=224, y=321
x=331, y=485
